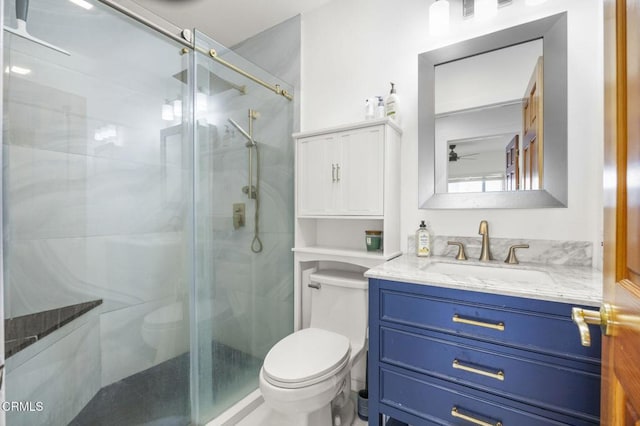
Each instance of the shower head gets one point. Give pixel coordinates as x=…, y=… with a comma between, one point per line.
x=250, y=141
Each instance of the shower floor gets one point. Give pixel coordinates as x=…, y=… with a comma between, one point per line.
x=159, y=396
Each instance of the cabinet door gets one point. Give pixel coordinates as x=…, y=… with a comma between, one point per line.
x=361, y=172
x=317, y=175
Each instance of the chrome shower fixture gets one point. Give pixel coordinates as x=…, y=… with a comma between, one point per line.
x=253, y=192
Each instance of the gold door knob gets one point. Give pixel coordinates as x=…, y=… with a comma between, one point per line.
x=583, y=317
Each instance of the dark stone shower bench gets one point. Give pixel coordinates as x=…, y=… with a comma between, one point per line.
x=21, y=332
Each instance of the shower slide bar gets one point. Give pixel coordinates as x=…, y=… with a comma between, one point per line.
x=185, y=37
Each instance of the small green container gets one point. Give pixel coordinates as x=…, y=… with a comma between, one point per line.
x=373, y=240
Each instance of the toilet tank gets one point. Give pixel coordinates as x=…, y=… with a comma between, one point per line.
x=340, y=304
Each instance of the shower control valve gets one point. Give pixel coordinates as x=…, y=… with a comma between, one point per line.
x=238, y=215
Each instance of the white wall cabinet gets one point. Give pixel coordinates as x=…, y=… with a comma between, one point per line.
x=341, y=173
x=347, y=182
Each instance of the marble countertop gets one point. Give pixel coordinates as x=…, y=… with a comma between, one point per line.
x=568, y=284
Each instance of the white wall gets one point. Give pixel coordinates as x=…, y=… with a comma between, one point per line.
x=351, y=49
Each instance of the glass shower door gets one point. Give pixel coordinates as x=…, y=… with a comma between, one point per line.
x=244, y=265
x=97, y=220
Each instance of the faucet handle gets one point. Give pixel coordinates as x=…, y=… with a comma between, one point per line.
x=511, y=257
x=461, y=254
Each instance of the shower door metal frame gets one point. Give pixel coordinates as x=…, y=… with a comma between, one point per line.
x=2, y=372
x=186, y=37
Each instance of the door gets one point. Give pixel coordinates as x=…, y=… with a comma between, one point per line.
x=512, y=168
x=621, y=350
x=532, y=143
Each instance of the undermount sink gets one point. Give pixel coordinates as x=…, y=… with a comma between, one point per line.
x=490, y=272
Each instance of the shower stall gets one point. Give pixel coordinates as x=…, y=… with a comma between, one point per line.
x=133, y=292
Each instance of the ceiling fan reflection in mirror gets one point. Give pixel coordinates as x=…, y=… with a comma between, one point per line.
x=454, y=156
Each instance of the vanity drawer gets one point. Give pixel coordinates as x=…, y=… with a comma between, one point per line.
x=434, y=401
x=507, y=320
x=490, y=368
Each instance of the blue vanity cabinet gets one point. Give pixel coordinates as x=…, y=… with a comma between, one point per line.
x=458, y=357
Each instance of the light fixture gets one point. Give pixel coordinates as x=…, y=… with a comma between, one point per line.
x=17, y=70
x=439, y=18
x=106, y=132
x=201, y=102
x=167, y=111
x=177, y=108
x=485, y=9
x=83, y=4
x=534, y=2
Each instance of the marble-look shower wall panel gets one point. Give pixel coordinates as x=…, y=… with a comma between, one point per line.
x=278, y=50
x=128, y=270
x=131, y=198
x=124, y=350
x=46, y=193
x=64, y=377
x=58, y=195
x=54, y=120
x=45, y=274
x=259, y=298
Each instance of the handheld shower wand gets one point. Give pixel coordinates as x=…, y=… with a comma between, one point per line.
x=253, y=192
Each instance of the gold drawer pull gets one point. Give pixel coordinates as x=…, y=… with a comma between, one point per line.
x=498, y=326
x=499, y=375
x=456, y=413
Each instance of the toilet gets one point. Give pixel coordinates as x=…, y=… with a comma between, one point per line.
x=305, y=377
x=166, y=330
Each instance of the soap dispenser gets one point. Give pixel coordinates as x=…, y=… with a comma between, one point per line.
x=380, y=109
x=392, y=104
x=423, y=241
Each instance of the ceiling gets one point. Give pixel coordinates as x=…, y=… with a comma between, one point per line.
x=229, y=22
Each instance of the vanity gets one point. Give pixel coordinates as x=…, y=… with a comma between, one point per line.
x=449, y=344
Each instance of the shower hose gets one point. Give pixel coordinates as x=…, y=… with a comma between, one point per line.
x=256, y=244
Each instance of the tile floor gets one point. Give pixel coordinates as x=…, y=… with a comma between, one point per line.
x=159, y=396
x=262, y=416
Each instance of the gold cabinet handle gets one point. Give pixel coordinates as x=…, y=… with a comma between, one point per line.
x=497, y=326
x=498, y=375
x=455, y=412
x=583, y=317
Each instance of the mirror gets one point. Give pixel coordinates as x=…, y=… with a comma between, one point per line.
x=493, y=119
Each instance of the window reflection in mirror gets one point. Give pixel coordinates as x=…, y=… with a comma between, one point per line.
x=488, y=121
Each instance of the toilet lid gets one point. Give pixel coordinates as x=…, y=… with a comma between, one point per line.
x=168, y=314
x=308, y=354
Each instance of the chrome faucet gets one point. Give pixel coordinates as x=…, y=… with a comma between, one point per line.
x=485, y=254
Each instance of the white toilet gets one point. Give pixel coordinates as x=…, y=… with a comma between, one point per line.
x=166, y=330
x=305, y=377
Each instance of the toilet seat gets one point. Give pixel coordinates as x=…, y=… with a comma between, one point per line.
x=306, y=357
x=165, y=316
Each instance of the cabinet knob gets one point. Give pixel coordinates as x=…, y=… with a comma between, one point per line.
x=583, y=317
